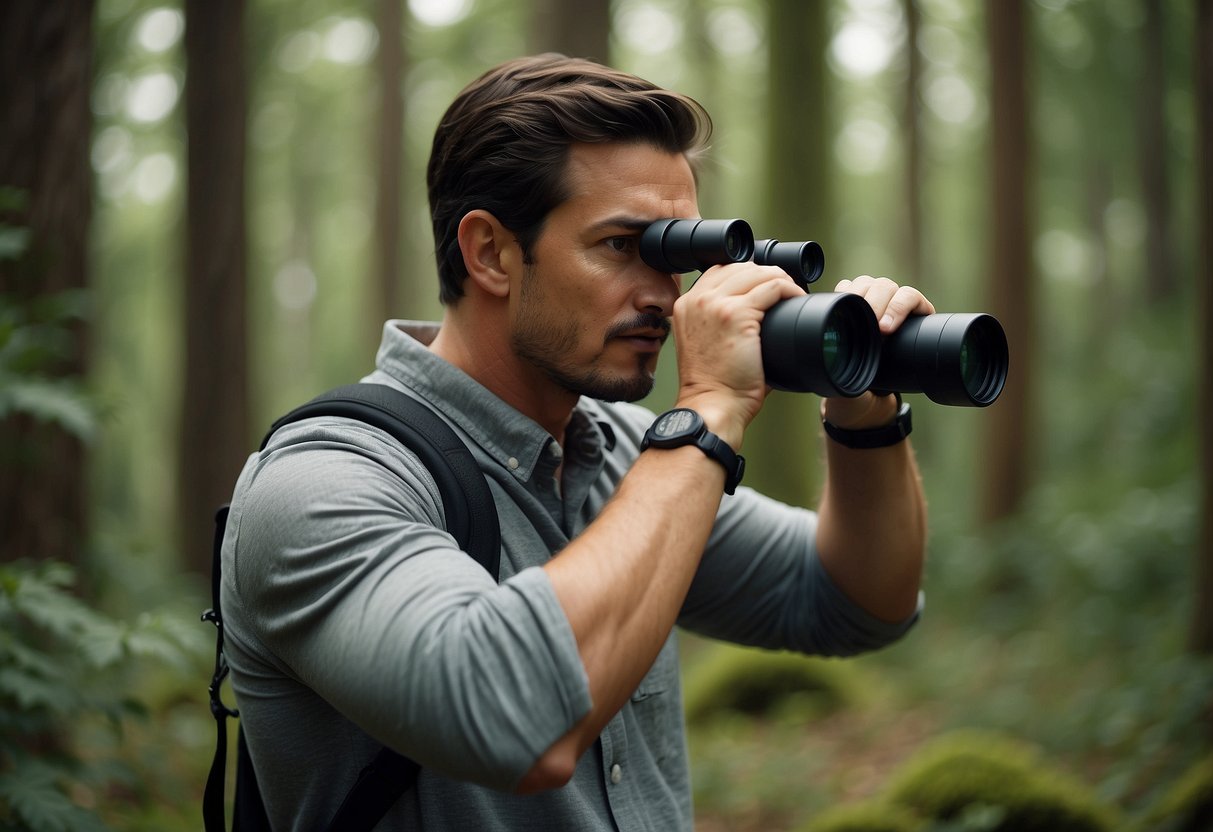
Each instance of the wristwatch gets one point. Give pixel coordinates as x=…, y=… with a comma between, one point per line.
x=879, y=437
x=682, y=426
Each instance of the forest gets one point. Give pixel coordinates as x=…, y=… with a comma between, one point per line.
x=208, y=208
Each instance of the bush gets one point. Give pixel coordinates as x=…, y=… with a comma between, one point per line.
x=63, y=668
x=1005, y=781
x=1188, y=805
x=764, y=683
x=865, y=817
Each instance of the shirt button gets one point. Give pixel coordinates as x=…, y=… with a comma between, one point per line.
x=513, y=463
x=616, y=774
x=557, y=451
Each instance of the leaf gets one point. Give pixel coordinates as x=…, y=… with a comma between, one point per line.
x=58, y=401
x=13, y=242
x=31, y=790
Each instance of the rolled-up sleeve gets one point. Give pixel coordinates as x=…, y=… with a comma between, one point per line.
x=761, y=583
x=343, y=573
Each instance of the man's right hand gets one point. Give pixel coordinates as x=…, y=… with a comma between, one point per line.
x=716, y=328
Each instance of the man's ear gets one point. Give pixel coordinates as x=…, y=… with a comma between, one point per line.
x=490, y=251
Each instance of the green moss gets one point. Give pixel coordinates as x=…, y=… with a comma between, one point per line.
x=969, y=770
x=764, y=683
x=864, y=817
x=1188, y=805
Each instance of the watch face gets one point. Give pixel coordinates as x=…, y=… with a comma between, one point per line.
x=675, y=422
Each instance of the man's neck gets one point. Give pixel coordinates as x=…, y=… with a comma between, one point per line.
x=484, y=353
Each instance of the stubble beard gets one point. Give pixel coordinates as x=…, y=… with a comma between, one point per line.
x=542, y=342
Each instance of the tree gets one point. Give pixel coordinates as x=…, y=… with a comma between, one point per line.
x=45, y=130
x=912, y=132
x=798, y=208
x=389, y=211
x=215, y=434
x=578, y=28
x=1202, y=626
x=1152, y=154
x=1010, y=271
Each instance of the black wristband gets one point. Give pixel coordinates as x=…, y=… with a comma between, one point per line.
x=879, y=437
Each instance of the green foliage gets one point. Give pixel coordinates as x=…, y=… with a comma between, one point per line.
x=865, y=817
x=765, y=683
x=35, y=336
x=65, y=665
x=1188, y=805
x=1005, y=785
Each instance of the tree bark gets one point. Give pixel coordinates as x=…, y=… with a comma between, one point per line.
x=1202, y=622
x=912, y=132
x=1010, y=273
x=389, y=212
x=46, y=54
x=799, y=205
x=577, y=28
x=215, y=433
x=1152, y=155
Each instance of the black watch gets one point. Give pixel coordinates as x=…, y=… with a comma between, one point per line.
x=683, y=426
x=879, y=437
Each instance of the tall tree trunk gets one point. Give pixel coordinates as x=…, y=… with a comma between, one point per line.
x=386, y=283
x=578, y=28
x=1010, y=272
x=214, y=419
x=1152, y=155
x=912, y=132
x=799, y=207
x=1202, y=624
x=46, y=53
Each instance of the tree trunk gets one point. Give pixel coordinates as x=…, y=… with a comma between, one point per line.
x=912, y=132
x=799, y=206
x=1202, y=623
x=214, y=420
x=1152, y=155
x=1010, y=272
x=577, y=28
x=46, y=53
x=389, y=227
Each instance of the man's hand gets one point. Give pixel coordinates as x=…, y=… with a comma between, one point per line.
x=892, y=305
x=716, y=326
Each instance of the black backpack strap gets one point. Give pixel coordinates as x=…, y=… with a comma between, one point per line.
x=471, y=516
x=212, y=798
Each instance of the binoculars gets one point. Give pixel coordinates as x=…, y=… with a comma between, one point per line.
x=830, y=343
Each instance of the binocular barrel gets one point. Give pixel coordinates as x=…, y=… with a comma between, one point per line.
x=830, y=343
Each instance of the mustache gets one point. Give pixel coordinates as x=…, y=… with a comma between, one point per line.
x=645, y=320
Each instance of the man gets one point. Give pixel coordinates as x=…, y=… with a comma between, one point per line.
x=550, y=700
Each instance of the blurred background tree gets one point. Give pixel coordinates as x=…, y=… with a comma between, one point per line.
x=207, y=210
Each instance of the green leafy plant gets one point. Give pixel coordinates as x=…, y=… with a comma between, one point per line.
x=873, y=816
x=62, y=666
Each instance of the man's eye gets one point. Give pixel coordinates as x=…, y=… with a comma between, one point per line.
x=621, y=245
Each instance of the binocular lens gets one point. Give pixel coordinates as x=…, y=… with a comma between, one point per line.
x=805, y=262
x=955, y=359
x=827, y=344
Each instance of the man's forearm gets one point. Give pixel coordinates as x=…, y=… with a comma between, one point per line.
x=871, y=533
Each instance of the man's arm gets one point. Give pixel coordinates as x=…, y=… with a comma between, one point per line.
x=623, y=580
x=871, y=532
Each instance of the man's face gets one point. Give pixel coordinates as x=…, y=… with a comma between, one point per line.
x=588, y=313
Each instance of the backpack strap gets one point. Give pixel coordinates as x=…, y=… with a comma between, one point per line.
x=471, y=518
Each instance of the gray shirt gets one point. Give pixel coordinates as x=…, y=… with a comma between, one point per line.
x=353, y=620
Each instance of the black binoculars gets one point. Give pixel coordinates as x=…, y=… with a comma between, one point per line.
x=830, y=343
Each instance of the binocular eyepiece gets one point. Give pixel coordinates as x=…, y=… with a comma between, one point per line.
x=830, y=343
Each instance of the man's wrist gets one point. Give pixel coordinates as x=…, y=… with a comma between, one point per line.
x=863, y=412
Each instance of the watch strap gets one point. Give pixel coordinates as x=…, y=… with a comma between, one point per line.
x=719, y=450
x=878, y=437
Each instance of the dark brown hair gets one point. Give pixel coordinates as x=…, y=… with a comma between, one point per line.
x=503, y=143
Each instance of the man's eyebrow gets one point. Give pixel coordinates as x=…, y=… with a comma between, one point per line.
x=626, y=222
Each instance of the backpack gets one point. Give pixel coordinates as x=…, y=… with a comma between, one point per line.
x=471, y=518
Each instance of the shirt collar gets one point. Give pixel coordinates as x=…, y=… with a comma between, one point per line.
x=511, y=438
